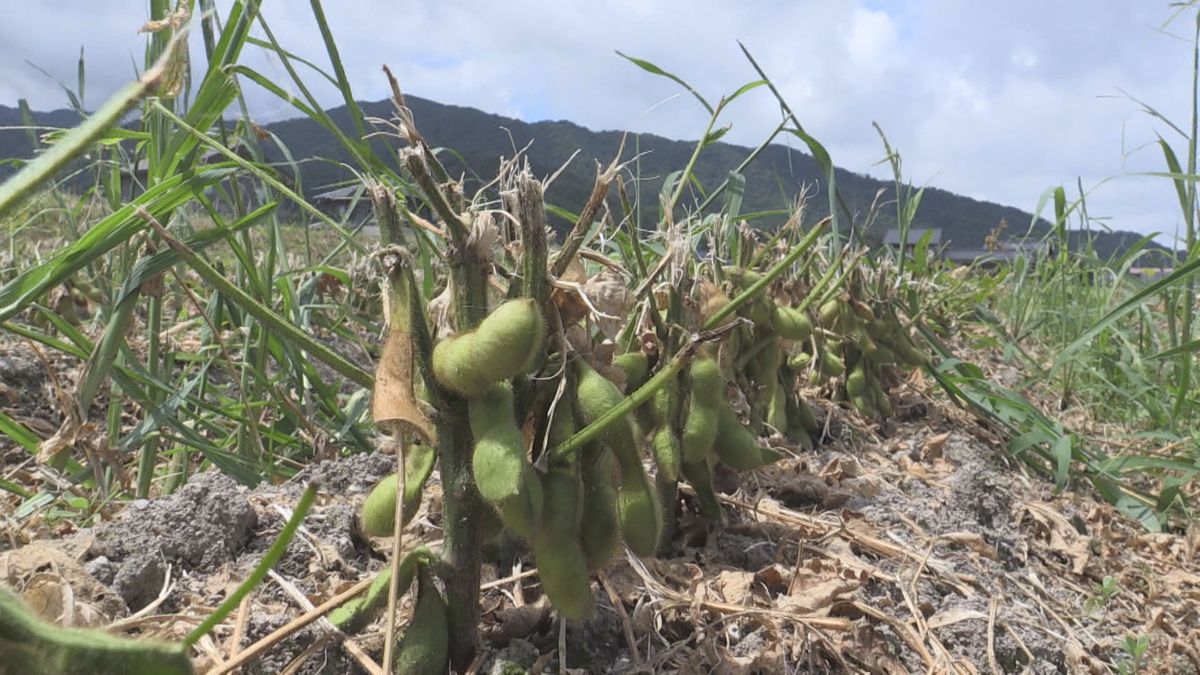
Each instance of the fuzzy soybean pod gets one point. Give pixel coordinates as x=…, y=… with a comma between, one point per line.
x=379, y=510
x=664, y=440
x=359, y=612
x=830, y=362
x=736, y=447
x=907, y=353
x=636, y=366
x=791, y=324
x=880, y=329
x=30, y=645
x=637, y=502
x=769, y=362
x=699, y=476
x=503, y=475
x=700, y=425
x=668, y=452
x=799, y=360
x=741, y=277
x=882, y=403
x=425, y=647
x=858, y=391
x=561, y=563
x=599, y=529
x=505, y=344
x=801, y=422
x=641, y=514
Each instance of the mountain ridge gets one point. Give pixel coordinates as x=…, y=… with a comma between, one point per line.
x=479, y=139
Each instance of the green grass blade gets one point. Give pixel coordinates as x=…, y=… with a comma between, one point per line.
x=75, y=142
x=109, y=233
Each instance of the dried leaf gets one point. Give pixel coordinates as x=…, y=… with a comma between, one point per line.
x=934, y=445
x=1063, y=537
x=393, y=400
x=955, y=615
x=762, y=658
x=775, y=578
x=520, y=622
x=807, y=598
x=973, y=541
x=62, y=439
x=735, y=586
x=611, y=301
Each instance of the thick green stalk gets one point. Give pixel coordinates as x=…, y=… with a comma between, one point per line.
x=462, y=507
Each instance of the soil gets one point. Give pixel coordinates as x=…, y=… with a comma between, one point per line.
x=915, y=546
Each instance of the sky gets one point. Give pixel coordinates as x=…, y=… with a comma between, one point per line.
x=996, y=101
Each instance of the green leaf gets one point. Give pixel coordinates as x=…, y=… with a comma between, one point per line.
x=651, y=68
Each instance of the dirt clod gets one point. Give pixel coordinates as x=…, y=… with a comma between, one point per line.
x=207, y=523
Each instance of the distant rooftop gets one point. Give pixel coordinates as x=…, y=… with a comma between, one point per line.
x=339, y=195
x=892, y=237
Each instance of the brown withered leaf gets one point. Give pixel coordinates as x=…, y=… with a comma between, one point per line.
x=393, y=400
x=815, y=592
x=1064, y=539
x=611, y=299
x=566, y=297
x=775, y=578
x=57, y=586
x=64, y=438
x=955, y=615
x=973, y=541
x=735, y=586
x=520, y=622
x=934, y=446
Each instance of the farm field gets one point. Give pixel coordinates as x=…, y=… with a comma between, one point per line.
x=463, y=411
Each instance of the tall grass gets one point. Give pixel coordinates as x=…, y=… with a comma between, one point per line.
x=1108, y=347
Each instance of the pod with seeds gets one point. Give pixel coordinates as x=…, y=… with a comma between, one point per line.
x=560, y=559
x=640, y=512
x=358, y=613
x=378, y=516
x=597, y=395
x=599, y=529
x=699, y=476
x=30, y=645
x=799, y=360
x=736, y=447
x=505, y=344
x=791, y=324
x=636, y=366
x=830, y=314
x=667, y=451
x=425, y=647
x=856, y=381
x=700, y=425
x=638, y=506
x=503, y=475
x=829, y=361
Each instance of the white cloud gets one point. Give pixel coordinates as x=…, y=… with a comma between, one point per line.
x=1024, y=57
x=871, y=39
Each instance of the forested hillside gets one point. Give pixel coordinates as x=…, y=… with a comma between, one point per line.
x=478, y=141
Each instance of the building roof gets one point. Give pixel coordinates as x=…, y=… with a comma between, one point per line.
x=1006, y=252
x=892, y=236
x=339, y=195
